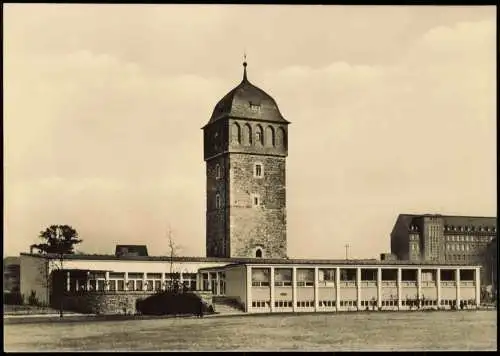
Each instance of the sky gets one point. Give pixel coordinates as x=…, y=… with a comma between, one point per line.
x=392, y=110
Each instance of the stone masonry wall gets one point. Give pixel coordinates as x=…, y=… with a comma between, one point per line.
x=112, y=302
x=261, y=226
x=216, y=232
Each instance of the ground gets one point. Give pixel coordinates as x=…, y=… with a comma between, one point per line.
x=468, y=330
x=27, y=309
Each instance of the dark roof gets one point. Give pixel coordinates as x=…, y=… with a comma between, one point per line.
x=131, y=250
x=240, y=261
x=453, y=220
x=237, y=103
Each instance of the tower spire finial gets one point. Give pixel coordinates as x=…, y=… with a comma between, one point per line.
x=245, y=65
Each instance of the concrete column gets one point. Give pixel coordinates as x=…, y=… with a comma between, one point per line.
x=294, y=288
x=249, y=289
x=358, y=288
x=198, y=281
x=271, y=286
x=77, y=285
x=68, y=281
x=337, y=288
x=144, y=281
x=106, y=281
x=457, y=282
x=217, y=283
x=88, y=281
x=181, y=278
x=125, y=287
x=163, y=281
x=379, y=287
x=419, y=283
x=438, y=286
x=210, y=281
x=316, y=288
x=400, y=291
x=477, y=282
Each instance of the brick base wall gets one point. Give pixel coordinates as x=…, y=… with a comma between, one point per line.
x=112, y=302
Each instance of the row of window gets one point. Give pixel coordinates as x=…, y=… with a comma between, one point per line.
x=457, y=238
x=457, y=228
x=284, y=304
x=271, y=138
x=470, y=228
x=305, y=276
x=454, y=301
x=353, y=303
x=141, y=275
x=469, y=238
x=458, y=247
x=133, y=285
x=449, y=247
x=282, y=284
x=373, y=283
x=463, y=257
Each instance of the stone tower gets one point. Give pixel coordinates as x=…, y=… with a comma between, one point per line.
x=245, y=149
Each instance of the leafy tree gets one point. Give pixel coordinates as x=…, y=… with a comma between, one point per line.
x=58, y=241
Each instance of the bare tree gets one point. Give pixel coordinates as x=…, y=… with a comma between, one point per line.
x=173, y=250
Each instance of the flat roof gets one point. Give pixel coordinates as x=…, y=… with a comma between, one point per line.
x=100, y=257
x=262, y=261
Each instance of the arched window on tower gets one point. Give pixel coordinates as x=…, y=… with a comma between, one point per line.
x=259, y=135
x=235, y=133
x=258, y=253
x=247, y=135
x=270, y=139
x=281, y=138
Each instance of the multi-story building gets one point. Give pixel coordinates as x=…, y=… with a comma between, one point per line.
x=245, y=144
x=442, y=238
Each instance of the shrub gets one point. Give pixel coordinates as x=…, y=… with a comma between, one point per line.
x=171, y=303
x=32, y=299
x=13, y=298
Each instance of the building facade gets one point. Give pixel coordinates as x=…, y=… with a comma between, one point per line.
x=110, y=273
x=11, y=274
x=245, y=149
x=491, y=262
x=329, y=286
x=442, y=238
x=261, y=285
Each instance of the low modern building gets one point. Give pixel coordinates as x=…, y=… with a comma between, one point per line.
x=267, y=285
